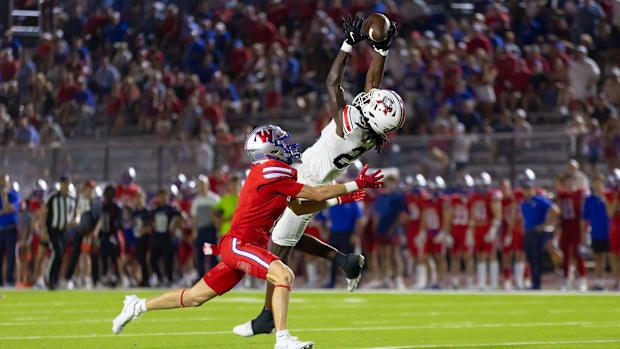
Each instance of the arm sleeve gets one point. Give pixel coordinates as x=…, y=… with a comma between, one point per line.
x=284, y=186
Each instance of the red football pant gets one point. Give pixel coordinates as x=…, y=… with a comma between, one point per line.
x=238, y=258
x=614, y=238
x=480, y=246
x=459, y=236
x=569, y=244
x=415, y=251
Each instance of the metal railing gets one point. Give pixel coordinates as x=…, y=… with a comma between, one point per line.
x=503, y=155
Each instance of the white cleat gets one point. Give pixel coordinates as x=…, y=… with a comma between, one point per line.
x=244, y=330
x=131, y=311
x=352, y=283
x=291, y=342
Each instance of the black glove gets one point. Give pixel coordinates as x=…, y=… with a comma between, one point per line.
x=383, y=47
x=352, y=27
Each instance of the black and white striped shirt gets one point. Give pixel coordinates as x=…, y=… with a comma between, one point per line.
x=61, y=211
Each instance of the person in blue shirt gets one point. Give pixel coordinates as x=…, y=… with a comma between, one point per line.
x=539, y=213
x=596, y=211
x=390, y=213
x=9, y=204
x=344, y=225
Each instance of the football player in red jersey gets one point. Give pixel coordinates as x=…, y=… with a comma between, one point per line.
x=512, y=236
x=614, y=229
x=126, y=189
x=435, y=224
x=570, y=200
x=458, y=230
x=485, y=210
x=415, y=241
x=271, y=186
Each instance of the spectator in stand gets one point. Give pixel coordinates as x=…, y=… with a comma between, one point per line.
x=583, y=74
x=588, y=15
x=26, y=134
x=603, y=109
x=594, y=144
x=106, y=77
x=84, y=106
x=51, y=133
x=523, y=131
x=611, y=87
x=9, y=67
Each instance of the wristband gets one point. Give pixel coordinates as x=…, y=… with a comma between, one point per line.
x=384, y=53
x=351, y=186
x=346, y=47
x=332, y=202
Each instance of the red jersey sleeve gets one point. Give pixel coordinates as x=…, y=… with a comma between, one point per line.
x=281, y=179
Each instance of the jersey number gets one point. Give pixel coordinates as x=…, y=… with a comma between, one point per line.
x=568, y=211
x=460, y=216
x=414, y=212
x=431, y=220
x=480, y=211
x=161, y=222
x=343, y=160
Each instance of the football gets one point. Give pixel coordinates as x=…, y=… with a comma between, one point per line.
x=376, y=26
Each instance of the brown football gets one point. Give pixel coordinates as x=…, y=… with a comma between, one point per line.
x=376, y=26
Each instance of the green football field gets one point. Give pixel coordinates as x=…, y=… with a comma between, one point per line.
x=83, y=319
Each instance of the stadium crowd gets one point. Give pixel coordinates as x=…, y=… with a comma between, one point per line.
x=416, y=233
x=183, y=69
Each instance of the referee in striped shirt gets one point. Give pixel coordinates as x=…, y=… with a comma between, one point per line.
x=57, y=215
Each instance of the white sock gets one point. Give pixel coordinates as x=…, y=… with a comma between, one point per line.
x=519, y=274
x=470, y=281
x=142, y=305
x=494, y=271
x=420, y=272
x=481, y=268
x=456, y=281
x=312, y=273
x=282, y=335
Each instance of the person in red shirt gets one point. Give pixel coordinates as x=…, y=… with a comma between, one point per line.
x=127, y=189
x=614, y=228
x=479, y=40
x=434, y=225
x=270, y=187
x=485, y=210
x=264, y=31
x=415, y=241
x=458, y=230
x=8, y=66
x=512, y=236
x=570, y=201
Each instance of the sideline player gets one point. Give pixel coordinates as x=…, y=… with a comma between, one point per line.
x=614, y=229
x=354, y=129
x=570, y=201
x=485, y=209
x=415, y=241
x=435, y=224
x=458, y=230
x=512, y=236
x=270, y=187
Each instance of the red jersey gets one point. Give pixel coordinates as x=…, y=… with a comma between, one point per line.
x=570, y=207
x=480, y=207
x=432, y=209
x=265, y=194
x=127, y=193
x=460, y=213
x=611, y=196
x=414, y=203
x=508, y=210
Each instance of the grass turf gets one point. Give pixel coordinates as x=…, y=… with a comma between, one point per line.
x=83, y=319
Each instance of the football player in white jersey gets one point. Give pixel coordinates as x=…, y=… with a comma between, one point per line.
x=355, y=128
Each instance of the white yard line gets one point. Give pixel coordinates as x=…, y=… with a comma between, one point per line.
x=337, y=329
x=505, y=344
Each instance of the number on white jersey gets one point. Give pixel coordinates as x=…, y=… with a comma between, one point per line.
x=344, y=160
x=161, y=222
x=460, y=215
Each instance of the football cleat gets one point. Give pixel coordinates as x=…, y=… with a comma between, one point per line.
x=244, y=330
x=131, y=311
x=291, y=342
x=354, y=273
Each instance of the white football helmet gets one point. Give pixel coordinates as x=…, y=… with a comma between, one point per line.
x=384, y=110
x=270, y=141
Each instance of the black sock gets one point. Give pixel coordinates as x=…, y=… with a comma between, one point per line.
x=341, y=260
x=263, y=322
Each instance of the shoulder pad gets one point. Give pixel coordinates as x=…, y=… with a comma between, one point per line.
x=351, y=116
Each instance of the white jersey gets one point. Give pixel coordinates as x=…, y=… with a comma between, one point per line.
x=331, y=155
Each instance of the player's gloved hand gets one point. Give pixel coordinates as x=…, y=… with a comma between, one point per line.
x=420, y=240
x=448, y=241
x=358, y=195
x=352, y=27
x=507, y=240
x=383, y=47
x=373, y=180
x=469, y=238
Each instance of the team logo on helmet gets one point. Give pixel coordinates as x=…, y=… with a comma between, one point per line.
x=388, y=104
